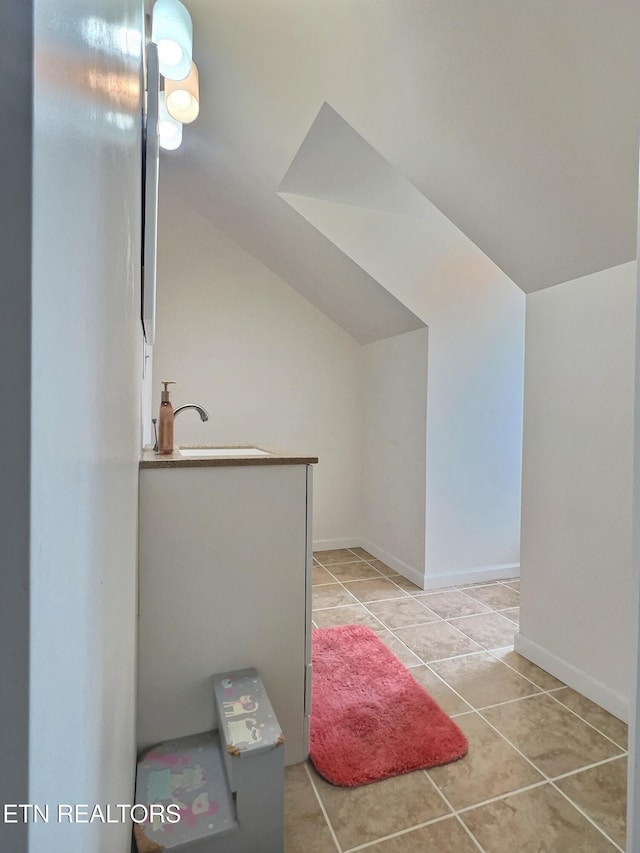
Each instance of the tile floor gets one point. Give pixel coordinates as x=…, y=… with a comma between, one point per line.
x=546, y=768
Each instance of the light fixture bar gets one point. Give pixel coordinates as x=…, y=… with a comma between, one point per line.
x=172, y=31
x=183, y=97
x=169, y=130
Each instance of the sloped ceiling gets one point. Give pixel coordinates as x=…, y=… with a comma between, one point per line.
x=246, y=207
x=518, y=121
x=335, y=163
x=342, y=186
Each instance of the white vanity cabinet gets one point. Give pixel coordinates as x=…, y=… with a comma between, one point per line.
x=224, y=583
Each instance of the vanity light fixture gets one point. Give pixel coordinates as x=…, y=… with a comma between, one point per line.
x=169, y=56
x=179, y=102
x=172, y=31
x=183, y=97
x=169, y=130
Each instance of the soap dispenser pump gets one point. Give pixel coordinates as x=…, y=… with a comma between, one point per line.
x=165, y=421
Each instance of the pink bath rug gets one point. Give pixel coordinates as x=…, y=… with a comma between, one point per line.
x=369, y=718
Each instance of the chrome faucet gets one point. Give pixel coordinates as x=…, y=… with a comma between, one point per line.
x=204, y=415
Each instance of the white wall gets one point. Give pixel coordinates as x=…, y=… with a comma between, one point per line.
x=577, y=482
x=85, y=418
x=475, y=316
x=274, y=369
x=395, y=447
x=633, y=767
x=269, y=367
x=474, y=427
x=16, y=70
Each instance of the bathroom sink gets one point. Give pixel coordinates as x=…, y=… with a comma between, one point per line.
x=208, y=452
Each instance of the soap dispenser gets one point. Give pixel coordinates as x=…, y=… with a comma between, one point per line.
x=165, y=421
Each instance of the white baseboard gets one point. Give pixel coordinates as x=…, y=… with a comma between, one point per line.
x=612, y=701
x=393, y=562
x=474, y=575
x=477, y=574
x=333, y=544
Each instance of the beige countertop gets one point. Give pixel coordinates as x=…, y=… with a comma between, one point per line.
x=151, y=459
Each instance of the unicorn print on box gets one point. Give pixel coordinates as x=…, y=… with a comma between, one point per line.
x=237, y=707
x=244, y=731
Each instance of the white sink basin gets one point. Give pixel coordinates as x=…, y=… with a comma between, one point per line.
x=208, y=452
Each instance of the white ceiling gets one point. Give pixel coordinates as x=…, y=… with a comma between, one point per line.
x=341, y=185
x=517, y=119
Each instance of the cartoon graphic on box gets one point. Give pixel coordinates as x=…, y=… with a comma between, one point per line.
x=200, y=807
x=190, y=779
x=237, y=707
x=168, y=759
x=227, y=686
x=244, y=731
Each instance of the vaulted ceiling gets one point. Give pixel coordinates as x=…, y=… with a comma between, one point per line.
x=517, y=120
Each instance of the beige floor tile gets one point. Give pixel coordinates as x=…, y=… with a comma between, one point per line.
x=541, y=726
x=449, y=701
x=512, y=613
x=494, y=595
x=331, y=595
x=482, y=680
x=407, y=585
x=535, y=821
x=338, y=555
x=601, y=792
x=376, y=589
x=353, y=571
x=436, y=640
x=394, y=645
x=550, y=736
x=444, y=836
x=604, y=721
x=452, y=603
x=489, y=769
x=354, y=614
x=529, y=670
x=400, y=612
x=305, y=828
x=372, y=811
x=364, y=555
x=490, y=630
x=383, y=568
x=321, y=575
